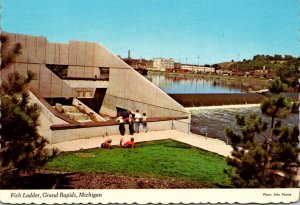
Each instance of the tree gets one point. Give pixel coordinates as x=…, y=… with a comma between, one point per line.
x=272, y=162
x=289, y=74
x=22, y=148
x=278, y=57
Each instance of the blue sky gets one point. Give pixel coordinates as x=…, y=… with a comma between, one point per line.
x=210, y=31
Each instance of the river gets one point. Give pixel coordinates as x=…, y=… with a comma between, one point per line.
x=213, y=120
x=172, y=83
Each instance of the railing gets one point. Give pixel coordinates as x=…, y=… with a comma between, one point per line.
x=67, y=132
x=101, y=78
x=188, y=124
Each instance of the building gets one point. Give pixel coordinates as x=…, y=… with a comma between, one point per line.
x=92, y=86
x=161, y=64
x=139, y=65
x=197, y=68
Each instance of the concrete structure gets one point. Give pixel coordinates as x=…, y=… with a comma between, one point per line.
x=162, y=64
x=209, y=144
x=94, y=75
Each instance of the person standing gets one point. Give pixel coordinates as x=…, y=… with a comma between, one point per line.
x=121, y=125
x=137, y=122
x=130, y=123
x=144, y=122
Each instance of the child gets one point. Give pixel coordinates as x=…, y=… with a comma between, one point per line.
x=106, y=144
x=128, y=144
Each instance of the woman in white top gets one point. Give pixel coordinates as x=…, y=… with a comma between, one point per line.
x=121, y=125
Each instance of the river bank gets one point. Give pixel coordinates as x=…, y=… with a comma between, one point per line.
x=213, y=76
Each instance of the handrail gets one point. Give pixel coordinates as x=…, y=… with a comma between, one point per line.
x=85, y=78
x=188, y=123
x=109, y=123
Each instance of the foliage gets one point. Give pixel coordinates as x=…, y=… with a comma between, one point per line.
x=289, y=73
x=274, y=161
x=22, y=148
x=8, y=52
x=159, y=159
x=276, y=86
x=284, y=67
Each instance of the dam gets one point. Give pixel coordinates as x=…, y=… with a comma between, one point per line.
x=191, y=91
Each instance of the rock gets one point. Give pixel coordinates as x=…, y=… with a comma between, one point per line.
x=93, y=117
x=58, y=107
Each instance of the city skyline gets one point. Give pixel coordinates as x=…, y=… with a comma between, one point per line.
x=191, y=31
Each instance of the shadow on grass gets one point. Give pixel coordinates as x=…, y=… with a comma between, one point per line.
x=42, y=181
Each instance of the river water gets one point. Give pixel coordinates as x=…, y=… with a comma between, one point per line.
x=214, y=120
x=181, y=84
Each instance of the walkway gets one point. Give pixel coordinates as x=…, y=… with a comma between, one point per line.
x=209, y=144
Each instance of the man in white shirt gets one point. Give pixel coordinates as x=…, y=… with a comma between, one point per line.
x=137, y=121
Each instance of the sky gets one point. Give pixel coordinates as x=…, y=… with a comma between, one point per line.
x=189, y=31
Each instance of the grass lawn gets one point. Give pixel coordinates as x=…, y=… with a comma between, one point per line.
x=159, y=159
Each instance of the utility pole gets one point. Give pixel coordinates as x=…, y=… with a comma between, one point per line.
x=198, y=59
x=237, y=63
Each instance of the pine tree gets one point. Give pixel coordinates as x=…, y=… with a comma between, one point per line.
x=22, y=148
x=273, y=162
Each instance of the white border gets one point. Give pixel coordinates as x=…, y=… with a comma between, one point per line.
x=144, y=196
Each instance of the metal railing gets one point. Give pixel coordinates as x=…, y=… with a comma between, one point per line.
x=188, y=124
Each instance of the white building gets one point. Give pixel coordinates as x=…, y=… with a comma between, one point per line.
x=197, y=69
x=162, y=64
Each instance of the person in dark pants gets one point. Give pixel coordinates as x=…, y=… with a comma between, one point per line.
x=121, y=125
x=130, y=123
x=137, y=122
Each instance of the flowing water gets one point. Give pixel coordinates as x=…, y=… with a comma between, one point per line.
x=214, y=121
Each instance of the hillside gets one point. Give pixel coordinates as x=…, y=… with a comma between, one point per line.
x=285, y=67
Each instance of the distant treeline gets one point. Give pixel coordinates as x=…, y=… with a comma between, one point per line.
x=286, y=67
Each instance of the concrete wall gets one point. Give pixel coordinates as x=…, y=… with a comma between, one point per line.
x=130, y=90
x=90, y=132
x=86, y=83
x=126, y=87
x=76, y=103
x=46, y=82
x=36, y=52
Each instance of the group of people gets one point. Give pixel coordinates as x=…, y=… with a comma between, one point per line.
x=134, y=120
x=128, y=144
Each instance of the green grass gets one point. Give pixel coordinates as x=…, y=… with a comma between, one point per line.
x=164, y=159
